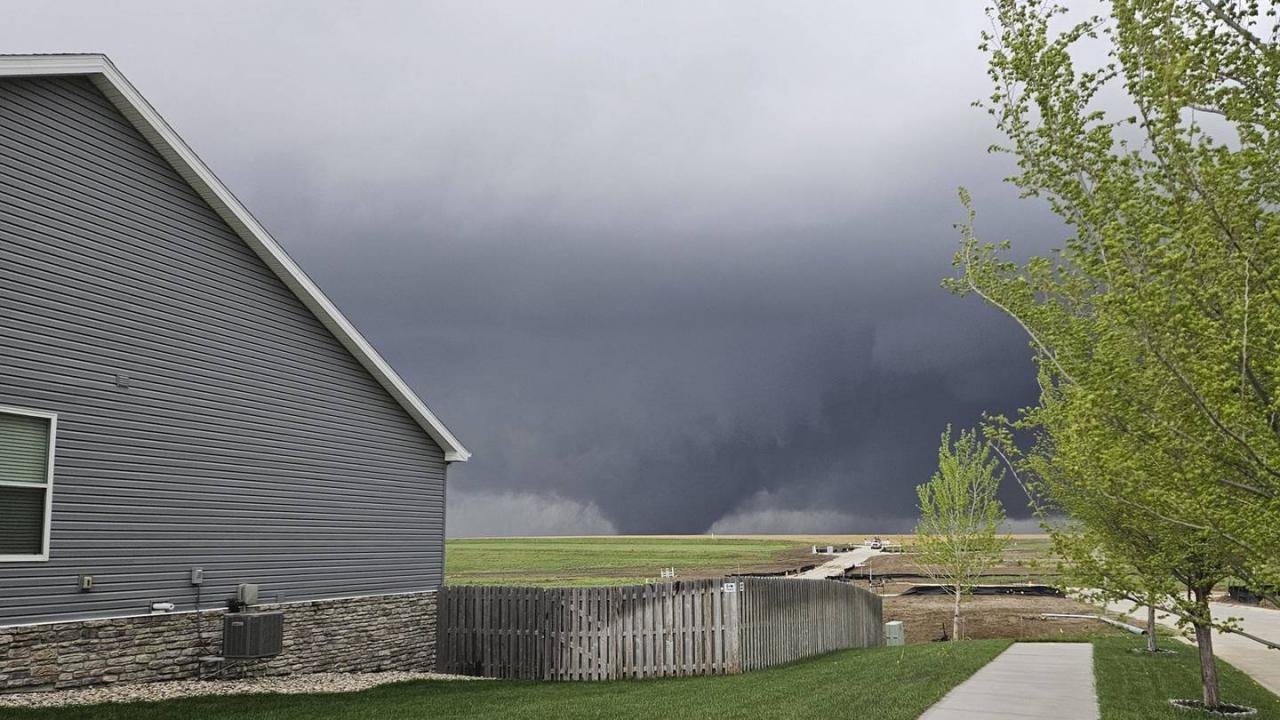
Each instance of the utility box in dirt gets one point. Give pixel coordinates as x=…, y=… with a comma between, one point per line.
x=252, y=635
x=894, y=633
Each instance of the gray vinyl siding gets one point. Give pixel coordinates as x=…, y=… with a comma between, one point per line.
x=249, y=441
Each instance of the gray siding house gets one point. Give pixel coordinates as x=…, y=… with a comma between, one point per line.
x=177, y=396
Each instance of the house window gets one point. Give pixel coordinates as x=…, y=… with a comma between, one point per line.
x=26, y=483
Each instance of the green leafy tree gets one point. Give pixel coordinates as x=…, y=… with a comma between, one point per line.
x=1156, y=327
x=1113, y=553
x=958, y=537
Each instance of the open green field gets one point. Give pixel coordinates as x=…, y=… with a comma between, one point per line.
x=611, y=560
x=614, y=560
x=882, y=683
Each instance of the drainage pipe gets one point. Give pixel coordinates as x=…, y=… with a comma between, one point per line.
x=1122, y=625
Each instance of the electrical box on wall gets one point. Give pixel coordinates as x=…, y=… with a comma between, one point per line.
x=85, y=583
x=197, y=576
x=247, y=594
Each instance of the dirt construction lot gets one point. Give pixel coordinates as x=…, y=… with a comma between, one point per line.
x=1028, y=559
x=927, y=618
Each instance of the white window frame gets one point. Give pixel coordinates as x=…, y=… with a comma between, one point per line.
x=43, y=556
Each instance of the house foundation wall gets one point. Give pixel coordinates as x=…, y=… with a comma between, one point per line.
x=366, y=634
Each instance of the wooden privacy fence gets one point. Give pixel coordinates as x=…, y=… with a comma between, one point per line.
x=785, y=619
x=698, y=627
x=678, y=628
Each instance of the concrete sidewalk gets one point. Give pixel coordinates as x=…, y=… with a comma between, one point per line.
x=1051, y=681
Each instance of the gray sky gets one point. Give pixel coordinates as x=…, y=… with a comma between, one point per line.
x=663, y=267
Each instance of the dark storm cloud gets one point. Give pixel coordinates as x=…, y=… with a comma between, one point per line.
x=661, y=267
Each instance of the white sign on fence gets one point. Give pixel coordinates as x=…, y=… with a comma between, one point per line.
x=729, y=587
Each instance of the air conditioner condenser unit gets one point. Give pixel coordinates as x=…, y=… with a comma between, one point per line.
x=248, y=635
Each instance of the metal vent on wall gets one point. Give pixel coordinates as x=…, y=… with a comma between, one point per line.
x=252, y=635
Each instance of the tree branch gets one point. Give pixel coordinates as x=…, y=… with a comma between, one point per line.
x=1220, y=627
x=1204, y=409
x=1234, y=24
x=1026, y=328
x=1174, y=521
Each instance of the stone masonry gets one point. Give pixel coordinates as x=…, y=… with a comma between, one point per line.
x=391, y=632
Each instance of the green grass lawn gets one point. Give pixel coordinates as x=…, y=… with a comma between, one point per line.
x=610, y=560
x=882, y=683
x=1134, y=686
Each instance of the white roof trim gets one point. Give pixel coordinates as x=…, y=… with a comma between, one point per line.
x=153, y=127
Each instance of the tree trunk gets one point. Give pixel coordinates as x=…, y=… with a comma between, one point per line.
x=955, y=617
x=1204, y=641
x=1151, y=627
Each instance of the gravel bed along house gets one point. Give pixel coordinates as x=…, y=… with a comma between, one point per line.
x=145, y=692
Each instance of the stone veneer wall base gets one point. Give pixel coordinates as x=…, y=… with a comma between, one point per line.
x=366, y=634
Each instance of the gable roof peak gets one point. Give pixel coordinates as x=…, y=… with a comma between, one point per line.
x=103, y=73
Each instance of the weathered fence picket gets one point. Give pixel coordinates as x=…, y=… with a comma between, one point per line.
x=698, y=627
x=786, y=619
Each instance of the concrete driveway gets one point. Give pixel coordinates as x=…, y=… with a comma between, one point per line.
x=1261, y=663
x=838, y=563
